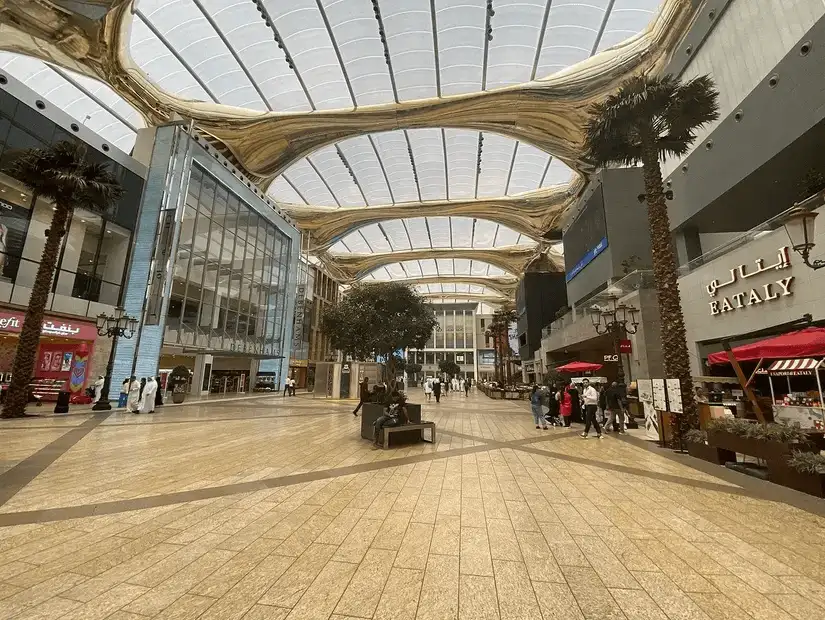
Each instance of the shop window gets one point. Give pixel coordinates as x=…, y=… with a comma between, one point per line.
x=451, y=357
x=439, y=357
x=430, y=356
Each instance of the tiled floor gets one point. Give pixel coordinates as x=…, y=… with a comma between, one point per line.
x=275, y=508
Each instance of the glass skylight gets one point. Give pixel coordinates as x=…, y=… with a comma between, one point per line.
x=432, y=267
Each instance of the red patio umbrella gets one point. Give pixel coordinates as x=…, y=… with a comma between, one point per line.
x=579, y=367
x=809, y=342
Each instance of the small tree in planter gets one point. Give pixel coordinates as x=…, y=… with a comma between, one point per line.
x=769, y=442
x=451, y=369
x=179, y=383
x=379, y=319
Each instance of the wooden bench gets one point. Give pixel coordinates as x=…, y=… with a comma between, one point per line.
x=387, y=430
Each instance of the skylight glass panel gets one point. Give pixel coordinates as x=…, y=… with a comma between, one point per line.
x=428, y=267
x=375, y=238
x=479, y=268
x=392, y=149
x=628, y=18
x=495, y=271
x=461, y=45
x=304, y=178
x=115, y=121
x=506, y=236
x=422, y=289
x=409, y=29
x=462, y=228
x=413, y=268
x=439, y=231
x=516, y=29
x=461, y=266
x=396, y=271
x=428, y=153
x=161, y=66
x=381, y=274
x=355, y=31
x=339, y=247
x=462, y=157
x=253, y=41
x=282, y=191
x=496, y=157
x=448, y=287
x=305, y=36
x=357, y=244
x=363, y=160
x=476, y=290
x=333, y=171
x=556, y=174
x=419, y=233
x=570, y=36
x=397, y=234
x=528, y=169
x=190, y=34
x=484, y=234
x=444, y=266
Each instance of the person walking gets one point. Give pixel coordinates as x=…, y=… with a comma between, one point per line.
x=565, y=401
x=363, y=394
x=467, y=387
x=591, y=404
x=286, y=386
x=147, y=399
x=576, y=403
x=535, y=406
x=124, y=393
x=133, y=404
x=428, y=388
x=98, y=387
x=617, y=419
x=437, y=389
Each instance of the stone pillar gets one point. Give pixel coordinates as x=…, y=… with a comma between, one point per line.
x=198, y=376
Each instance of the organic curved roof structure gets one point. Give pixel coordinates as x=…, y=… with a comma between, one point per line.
x=372, y=122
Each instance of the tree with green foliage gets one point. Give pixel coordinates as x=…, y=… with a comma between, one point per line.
x=449, y=368
x=61, y=175
x=645, y=121
x=499, y=332
x=377, y=320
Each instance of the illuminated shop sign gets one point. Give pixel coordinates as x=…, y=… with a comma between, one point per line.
x=755, y=295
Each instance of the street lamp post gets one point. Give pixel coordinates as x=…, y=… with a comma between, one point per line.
x=617, y=319
x=800, y=227
x=113, y=326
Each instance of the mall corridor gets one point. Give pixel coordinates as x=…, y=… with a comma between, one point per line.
x=279, y=510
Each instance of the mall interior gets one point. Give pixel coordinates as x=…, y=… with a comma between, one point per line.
x=272, y=155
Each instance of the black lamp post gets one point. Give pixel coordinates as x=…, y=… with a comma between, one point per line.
x=800, y=227
x=113, y=326
x=615, y=321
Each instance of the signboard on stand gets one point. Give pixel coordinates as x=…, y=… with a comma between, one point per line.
x=659, y=394
x=674, y=394
x=645, y=387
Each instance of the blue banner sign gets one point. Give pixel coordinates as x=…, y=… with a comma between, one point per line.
x=587, y=259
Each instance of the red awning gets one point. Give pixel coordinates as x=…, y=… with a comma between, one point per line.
x=809, y=342
x=578, y=367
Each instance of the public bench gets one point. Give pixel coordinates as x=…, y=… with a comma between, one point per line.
x=419, y=426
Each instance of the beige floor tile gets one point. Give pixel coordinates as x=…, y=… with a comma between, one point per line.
x=450, y=501
x=399, y=600
x=439, y=592
x=426, y=509
x=477, y=598
x=539, y=560
x=392, y=531
x=446, y=538
x=612, y=572
x=521, y=516
x=675, y=602
x=718, y=606
x=799, y=607
x=322, y=596
x=104, y=605
x=503, y=542
x=297, y=577
x=187, y=607
x=415, y=546
x=475, y=552
x=472, y=511
x=358, y=541
x=266, y=612
x=222, y=580
x=364, y=590
x=340, y=527
x=516, y=599
x=50, y=609
x=240, y=598
x=637, y=605
x=754, y=603
x=494, y=506
x=557, y=602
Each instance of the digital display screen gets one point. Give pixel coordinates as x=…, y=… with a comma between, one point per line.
x=586, y=237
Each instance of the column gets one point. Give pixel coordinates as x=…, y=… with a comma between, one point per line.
x=203, y=367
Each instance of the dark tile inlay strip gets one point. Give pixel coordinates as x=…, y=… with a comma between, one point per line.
x=14, y=479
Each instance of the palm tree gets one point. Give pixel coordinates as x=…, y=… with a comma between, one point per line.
x=645, y=121
x=500, y=331
x=61, y=174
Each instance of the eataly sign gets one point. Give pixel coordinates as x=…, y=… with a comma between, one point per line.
x=755, y=295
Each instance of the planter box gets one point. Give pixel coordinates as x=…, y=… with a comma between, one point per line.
x=780, y=472
x=370, y=412
x=711, y=454
x=766, y=450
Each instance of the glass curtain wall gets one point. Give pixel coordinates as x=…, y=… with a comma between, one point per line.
x=228, y=291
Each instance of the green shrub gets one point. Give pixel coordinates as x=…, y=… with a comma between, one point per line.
x=782, y=433
x=695, y=435
x=807, y=462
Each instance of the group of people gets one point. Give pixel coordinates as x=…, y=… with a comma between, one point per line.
x=434, y=386
x=289, y=386
x=142, y=396
x=593, y=405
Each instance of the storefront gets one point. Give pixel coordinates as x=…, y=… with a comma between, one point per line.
x=63, y=359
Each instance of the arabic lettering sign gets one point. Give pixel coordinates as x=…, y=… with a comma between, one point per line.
x=12, y=322
x=758, y=294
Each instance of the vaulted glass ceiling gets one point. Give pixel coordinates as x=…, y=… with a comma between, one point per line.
x=458, y=288
x=435, y=267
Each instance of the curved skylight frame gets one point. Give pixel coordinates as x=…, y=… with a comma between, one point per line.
x=441, y=267
x=457, y=288
x=422, y=233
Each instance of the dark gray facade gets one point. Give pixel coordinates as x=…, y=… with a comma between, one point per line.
x=538, y=298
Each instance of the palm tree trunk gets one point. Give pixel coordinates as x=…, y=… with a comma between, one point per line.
x=672, y=321
x=17, y=396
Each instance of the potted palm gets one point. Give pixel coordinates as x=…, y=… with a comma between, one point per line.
x=179, y=383
x=648, y=119
x=60, y=174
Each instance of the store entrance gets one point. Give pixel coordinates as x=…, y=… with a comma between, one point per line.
x=229, y=381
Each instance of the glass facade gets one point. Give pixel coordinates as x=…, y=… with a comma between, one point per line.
x=230, y=274
x=454, y=340
x=95, y=248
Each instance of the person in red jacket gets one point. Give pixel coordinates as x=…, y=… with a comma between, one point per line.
x=565, y=405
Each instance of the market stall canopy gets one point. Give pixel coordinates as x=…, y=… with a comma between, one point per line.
x=792, y=367
x=805, y=343
x=579, y=367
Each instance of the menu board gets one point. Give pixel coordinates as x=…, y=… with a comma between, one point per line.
x=674, y=393
x=659, y=395
x=645, y=388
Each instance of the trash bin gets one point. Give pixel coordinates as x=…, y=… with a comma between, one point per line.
x=62, y=405
x=121, y=401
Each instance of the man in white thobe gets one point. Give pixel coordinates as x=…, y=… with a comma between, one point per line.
x=147, y=401
x=98, y=386
x=133, y=404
